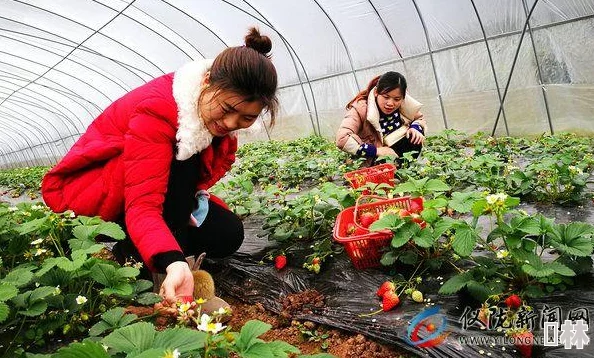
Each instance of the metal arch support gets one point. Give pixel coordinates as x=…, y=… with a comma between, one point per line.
x=540, y=80
x=492, y=64
x=56, y=111
x=97, y=32
x=445, y=121
x=294, y=56
x=82, y=48
x=51, y=81
x=27, y=103
x=343, y=43
x=197, y=21
x=77, y=62
x=68, y=54
x=511, y=72
x=155, y=32
x=385, y=27
x=34, y=122
x=26, y=140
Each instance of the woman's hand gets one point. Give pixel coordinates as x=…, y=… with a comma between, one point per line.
x=415, y=136
x=178, y=283
x=386, y=152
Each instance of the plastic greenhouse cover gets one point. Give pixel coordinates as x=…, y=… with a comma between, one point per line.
x=349, y=292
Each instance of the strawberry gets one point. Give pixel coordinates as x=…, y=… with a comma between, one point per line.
x=417, y=296
x=280, y=262
x=416, y=218
x=484, y=316
x=430, y=327
x=389, y=301
x=315, y=261
x=360, y=231
x=404, y=213
x=513, y=302
x=368, y=218
x=385, y=287
x=416, y=205
x=524, y=341
x=351, y=229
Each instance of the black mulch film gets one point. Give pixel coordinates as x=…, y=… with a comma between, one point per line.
x=349, y=292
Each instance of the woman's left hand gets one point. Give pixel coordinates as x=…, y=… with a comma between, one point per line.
x=415, y=136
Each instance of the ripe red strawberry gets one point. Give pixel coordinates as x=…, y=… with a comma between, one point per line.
x=315, y=261
x=389, y=301
x=513, y=302
x=280, y=262
x=416, y=205
x=367, y=219
x=385, y=287
x=524, y=341
x=416, y=218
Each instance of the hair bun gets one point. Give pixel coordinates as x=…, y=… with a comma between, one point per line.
x=258, y=42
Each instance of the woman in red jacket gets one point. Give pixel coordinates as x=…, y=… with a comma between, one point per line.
x=147, y=160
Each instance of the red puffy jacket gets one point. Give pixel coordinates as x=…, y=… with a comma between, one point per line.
x=120, y=166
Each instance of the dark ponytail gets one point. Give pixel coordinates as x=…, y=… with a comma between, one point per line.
x=248, y=71
x=385, y=83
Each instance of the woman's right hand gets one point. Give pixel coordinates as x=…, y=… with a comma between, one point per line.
x=386, y=152
x=178, y=283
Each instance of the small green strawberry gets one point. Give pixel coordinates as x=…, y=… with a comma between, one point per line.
x=417, y=296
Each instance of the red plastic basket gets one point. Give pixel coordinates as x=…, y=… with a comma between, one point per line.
x=382, y=173
x=365, y=250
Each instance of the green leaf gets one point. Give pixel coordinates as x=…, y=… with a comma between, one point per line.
x=151, y=353
x=31, y=226
x=98, y=328
x=18, y=277
x=136, y=337
x=478, y=290
x=537, y=270
x=429, y=215
x=436, y=203
x=142, y=285
x=560, y=269
x=41, y=293
x=388, y=221
x=250, y=332
x=103, y=273
x=84, y=232
x=183, y=339
x=82, y=350
x=127, y=272
x=408, y=257
x=463, y=202
x=465, y=240
x=479, y=207
x=388, y=258
x=120, y=289
x=70, y=266
x=436, y=185
x=113, y=316
x=534, y=291
x=512, y=201
x=424, y=238
x=148, y=298
x=35, y=309
x=281, y=348
x=7, y=291
x=4, y=311
x=257, y=350
x=442, y=225
x=455, y=283
x=527, y=224
x=112, y=230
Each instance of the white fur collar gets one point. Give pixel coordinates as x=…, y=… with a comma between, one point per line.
x=373, y=115
x=192, y=135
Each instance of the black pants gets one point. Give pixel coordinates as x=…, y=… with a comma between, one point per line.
x=404, y=146
x=221, y=233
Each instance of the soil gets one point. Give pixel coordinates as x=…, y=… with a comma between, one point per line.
x=338, y=342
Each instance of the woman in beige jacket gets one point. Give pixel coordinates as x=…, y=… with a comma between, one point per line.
x=382, y=120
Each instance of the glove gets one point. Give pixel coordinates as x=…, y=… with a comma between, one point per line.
x=198, y=215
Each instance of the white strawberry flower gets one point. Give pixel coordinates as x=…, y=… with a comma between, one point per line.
x=81, y=300
x=207, y=325
x=36, y=242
